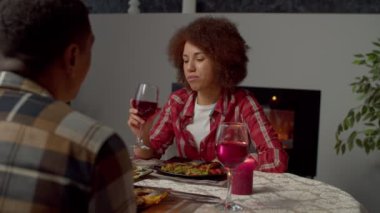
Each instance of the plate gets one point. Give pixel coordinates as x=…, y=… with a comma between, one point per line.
x=192, y=170
x=140, y=172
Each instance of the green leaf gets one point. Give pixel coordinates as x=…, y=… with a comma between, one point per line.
x=351, y=139
x=359, y=143
x=359, y=55
x=373, y=117
x=366, y=88
x=358, y=116
x=354, y=88
x=343, y=148
x=345, y=124
x=350, y=113
x=369, y=124
x=367, y=116
x=376, y=132
x=337, y=145
x=371, y=109
x=348, y=122
x=337, y=150
x=366, y=145
x=340, y=128
x=369, y=133
x=364, y=109
x=371, y=57
x=376, y=44
x=359, y=61
x=352, y=121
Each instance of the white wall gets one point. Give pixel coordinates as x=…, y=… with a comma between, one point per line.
x=307, y=51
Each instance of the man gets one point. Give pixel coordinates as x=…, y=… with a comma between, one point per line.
x=52, y=158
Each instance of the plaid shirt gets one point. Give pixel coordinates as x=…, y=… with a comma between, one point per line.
x=239, y=106
x=54, y=159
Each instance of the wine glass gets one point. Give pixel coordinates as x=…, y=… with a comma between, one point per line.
x=145, y=101
x=231, y=150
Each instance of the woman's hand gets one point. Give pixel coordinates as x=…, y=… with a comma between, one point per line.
x=143, y=153
x=135, y=122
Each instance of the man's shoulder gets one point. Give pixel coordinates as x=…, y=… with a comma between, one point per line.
x=62, y=120
x=84, y=130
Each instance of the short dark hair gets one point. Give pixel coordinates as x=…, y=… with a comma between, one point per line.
x=221, y=41
x=38, y=31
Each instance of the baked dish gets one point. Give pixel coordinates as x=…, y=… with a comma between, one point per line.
x=146, y=196
x=193, y=168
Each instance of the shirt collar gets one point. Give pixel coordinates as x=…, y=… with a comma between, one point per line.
x=221, y=105
x=224, y=101
x=14, y=81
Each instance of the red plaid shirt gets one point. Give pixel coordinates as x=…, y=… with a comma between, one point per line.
x=240, y=106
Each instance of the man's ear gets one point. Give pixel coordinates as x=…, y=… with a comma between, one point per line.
x=71, y=58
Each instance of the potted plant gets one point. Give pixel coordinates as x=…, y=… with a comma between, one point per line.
x=361, y=126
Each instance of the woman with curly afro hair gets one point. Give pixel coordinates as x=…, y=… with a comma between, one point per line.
x=211, y=59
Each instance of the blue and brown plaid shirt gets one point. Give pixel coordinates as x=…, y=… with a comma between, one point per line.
x=55, y=159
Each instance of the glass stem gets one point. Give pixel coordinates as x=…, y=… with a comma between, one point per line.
x=140, y=141
x=229, y=182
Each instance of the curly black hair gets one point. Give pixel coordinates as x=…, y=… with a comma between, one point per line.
x=220, y=39
x=36, y=32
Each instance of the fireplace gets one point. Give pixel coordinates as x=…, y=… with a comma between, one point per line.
x=294, y=113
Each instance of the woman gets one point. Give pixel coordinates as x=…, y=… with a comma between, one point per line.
x=210, y=57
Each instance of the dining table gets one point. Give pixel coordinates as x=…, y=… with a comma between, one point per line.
x=272, y=192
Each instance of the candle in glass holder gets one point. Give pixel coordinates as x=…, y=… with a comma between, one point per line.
x=242, y=177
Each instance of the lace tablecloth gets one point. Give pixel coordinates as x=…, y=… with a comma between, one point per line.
x=273, y=193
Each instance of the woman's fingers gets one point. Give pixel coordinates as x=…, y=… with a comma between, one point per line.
x=136, y=118
x=142, y=153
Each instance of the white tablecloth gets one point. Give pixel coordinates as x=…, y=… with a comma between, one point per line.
x=274, y=193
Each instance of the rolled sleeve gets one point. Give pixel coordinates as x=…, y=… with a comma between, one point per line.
x=113, y=179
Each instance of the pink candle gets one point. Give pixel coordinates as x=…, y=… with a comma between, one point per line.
x=242, y=177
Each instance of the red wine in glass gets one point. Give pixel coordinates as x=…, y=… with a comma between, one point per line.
x=145, y=108
x=232, y=153
x=145, y=101
x=231, y=150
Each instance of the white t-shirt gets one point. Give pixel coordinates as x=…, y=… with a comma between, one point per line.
x=201, y=122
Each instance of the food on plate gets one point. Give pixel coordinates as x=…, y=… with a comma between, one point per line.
x=193, y=168
x=149, y=196
x=139, y=172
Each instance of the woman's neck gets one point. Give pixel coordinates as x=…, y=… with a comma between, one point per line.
x=208, y=97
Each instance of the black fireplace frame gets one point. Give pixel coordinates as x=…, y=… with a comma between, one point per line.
x=306, y=107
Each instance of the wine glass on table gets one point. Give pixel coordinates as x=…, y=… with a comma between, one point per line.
x=146, y=102
x=231, y=150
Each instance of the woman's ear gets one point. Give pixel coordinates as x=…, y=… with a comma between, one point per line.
x=71, y=58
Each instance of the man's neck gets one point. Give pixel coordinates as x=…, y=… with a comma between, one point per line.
x=11, y=64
